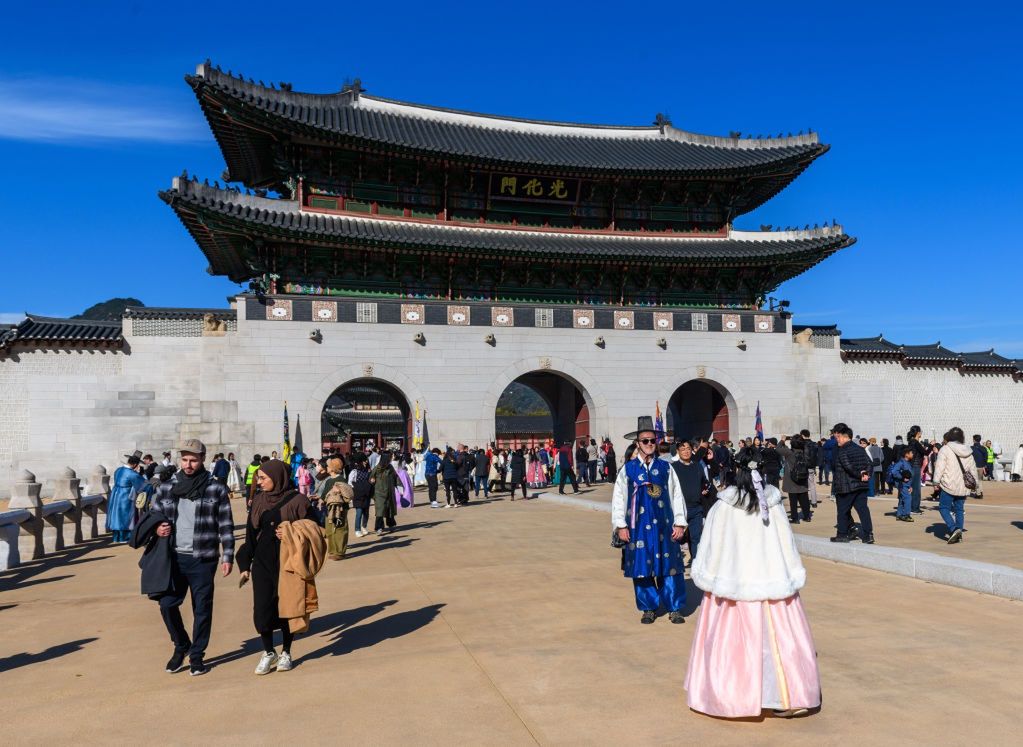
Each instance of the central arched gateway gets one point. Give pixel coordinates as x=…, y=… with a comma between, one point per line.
x=539, y=406
x=698, y=409
x=366, y=411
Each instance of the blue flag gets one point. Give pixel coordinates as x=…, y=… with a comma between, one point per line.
x=759, y=426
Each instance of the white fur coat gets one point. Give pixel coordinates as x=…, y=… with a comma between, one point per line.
x=742, y=559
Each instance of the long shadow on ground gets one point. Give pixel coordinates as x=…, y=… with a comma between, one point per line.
x=18, y=577
x=375, y=632
x=53, y=652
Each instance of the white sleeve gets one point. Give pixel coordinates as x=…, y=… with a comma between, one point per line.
x=619, y=498
x=678, y=501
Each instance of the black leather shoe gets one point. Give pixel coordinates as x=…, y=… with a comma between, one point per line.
x=841, y=538
x=676, y=617
x=197, y=668
x=648, y=617
x=868, y=540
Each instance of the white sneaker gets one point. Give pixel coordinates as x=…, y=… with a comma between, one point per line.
x=267, y=662
x=434, y=504
x=284, y=662
x=358, y=532
x=447, y=505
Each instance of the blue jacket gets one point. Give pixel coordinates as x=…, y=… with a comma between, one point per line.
x=829, y=451
x=979, y=455
x=901, y=473
x=431, y=463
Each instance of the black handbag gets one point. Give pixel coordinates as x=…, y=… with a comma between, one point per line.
x=968, y=479
x=617, y=542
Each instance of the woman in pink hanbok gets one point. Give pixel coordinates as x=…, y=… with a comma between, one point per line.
x=535, y=475
x=752, y=650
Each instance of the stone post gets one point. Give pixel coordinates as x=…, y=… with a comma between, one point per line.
x=99, y=484
x=26, y=495
x=67, y=487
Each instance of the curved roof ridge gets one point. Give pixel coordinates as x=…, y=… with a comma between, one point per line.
x=356, y=99
x=215, y=194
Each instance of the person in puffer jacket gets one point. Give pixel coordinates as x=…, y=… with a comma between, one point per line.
x=954, y=462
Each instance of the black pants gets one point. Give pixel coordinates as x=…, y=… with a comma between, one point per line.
x=799, y=502
x=267, y=637
x=846, y=502
x=378, y=524
x=450, y=487
x=189, y=574
x=520, y=484
x=431, y=485
x=566, y=475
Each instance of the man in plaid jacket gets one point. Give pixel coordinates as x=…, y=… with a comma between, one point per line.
x=201, y=531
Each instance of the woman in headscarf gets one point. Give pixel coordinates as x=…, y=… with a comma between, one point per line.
x=260, y=557
x=384, y=482
x=753, y=649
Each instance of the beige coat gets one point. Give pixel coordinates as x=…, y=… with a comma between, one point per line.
x=947, y=473
x=302, y=553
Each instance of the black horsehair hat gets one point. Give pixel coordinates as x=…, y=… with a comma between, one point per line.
x=644, y=424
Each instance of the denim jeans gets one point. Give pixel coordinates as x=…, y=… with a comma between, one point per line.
x=916, y=488
x=905, y=499
x=482, y=481
x=361, y=518
x=825, y=475
x=948, y=504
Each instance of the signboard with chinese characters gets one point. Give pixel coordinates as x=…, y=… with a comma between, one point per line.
x=538, y=188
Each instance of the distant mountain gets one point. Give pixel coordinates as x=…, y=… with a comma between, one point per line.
x=519, y=399
x=108, y=310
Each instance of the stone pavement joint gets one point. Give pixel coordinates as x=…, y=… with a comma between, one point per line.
x=987, y=578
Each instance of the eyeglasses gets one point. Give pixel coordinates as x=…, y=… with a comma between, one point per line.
x=648, y=440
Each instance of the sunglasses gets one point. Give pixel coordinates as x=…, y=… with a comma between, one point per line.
x=648, y=440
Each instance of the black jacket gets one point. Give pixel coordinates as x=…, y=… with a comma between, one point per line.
x=156, y=558
x=518, y=467
x=850, y=461
x=771, y=461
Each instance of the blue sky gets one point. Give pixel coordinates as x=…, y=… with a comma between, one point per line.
x=920, y=103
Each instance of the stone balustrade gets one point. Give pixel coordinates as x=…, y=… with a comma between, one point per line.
x=48, y=524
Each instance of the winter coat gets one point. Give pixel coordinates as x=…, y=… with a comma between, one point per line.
x=789, y=485
x=876, y=457
x=156, y=559
x=829, y=449
x=947, y=472
x=850, y=461
x=302, y=552
x=518, y=468
x=743, y=559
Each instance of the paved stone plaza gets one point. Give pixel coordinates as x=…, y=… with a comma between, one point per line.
x=498, y=623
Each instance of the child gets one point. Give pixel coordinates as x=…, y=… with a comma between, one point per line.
x=900, y=476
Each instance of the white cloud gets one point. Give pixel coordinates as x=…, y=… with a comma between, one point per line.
x=11, y=317
x=66, y=110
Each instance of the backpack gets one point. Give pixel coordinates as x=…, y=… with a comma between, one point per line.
x=800, y=471
x=894, y=476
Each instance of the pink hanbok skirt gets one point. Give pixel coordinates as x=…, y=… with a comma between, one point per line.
x=752, y=656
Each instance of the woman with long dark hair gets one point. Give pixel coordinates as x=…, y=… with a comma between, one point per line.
x=384, y=480
x=753, y=649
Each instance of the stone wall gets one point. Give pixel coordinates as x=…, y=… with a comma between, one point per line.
x=92, y=407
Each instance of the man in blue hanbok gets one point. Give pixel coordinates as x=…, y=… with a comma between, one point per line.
x=121, y=505
x=648, y=513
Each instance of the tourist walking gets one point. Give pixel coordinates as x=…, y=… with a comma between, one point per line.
x=990, y=460
x=919, y=452
x=385, y=482
x=431, y=468
x=753, y=649
x=979, y=463
x=128, y=483
x=797, y=478
x=201, y=528
x=259, y=558
x=517, y=472
x=695, y=485
x=610, y=461
x=362, y=493
x=955, y=478
x=336, y=495
x=900, y=476
x=877, y=466
x=852, y=474
x=565, y=471
x=648, y=518
x=888, y=458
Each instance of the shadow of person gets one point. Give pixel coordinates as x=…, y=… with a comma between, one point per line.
x=1017, y=524
x=331, y=624
x=377, y=631
x=53, y=652
x=694, y=595
x=383, y=544
x=938, y=530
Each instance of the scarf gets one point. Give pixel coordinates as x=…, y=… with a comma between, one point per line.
x=279, y=495
x=190, y=487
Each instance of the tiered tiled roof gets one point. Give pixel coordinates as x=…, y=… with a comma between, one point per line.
x=934, y=354
x=244, y=115
x=224, y=221
x=47, y=330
